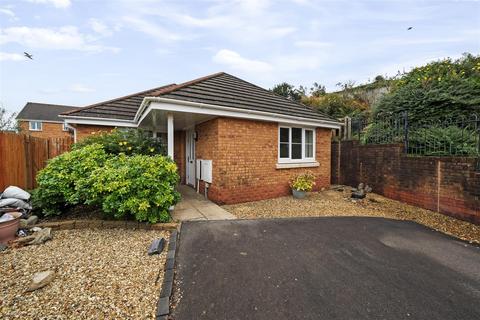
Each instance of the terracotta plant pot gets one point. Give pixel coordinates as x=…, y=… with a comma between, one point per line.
x=8, y=229
x=298, y=194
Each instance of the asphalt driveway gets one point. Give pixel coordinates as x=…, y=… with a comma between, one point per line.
x=324, y=268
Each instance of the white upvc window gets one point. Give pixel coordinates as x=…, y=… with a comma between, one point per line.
x=296, y=144
x=35, y=125
x=65, y=126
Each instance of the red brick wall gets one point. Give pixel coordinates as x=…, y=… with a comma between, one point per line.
x=448, y=185
x=49, y=130
x=179, y=153
x=85, y=130
x=245, y=155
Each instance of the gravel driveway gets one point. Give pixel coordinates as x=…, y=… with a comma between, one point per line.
x=338, y=203
x=101, y=274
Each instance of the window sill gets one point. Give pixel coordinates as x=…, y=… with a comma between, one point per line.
x=297, y=165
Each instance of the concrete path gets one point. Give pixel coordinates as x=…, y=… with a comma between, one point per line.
x=194, y=206
x=324, y=268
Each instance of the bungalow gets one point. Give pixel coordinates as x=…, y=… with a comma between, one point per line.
x=251, y=142
x=41, y=120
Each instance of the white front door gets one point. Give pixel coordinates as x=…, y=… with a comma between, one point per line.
x=190, y=157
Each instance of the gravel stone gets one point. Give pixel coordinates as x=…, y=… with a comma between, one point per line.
x=337, y=203
x=100, y=274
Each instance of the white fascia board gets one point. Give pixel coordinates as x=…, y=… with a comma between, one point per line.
x=99, y=121
x=157, y=103
x=46, y=121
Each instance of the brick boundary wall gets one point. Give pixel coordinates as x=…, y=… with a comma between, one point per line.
x=449, y=185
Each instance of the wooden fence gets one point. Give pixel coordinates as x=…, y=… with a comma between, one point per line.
x=22, y=156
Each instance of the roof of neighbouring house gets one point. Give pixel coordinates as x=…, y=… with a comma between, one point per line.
x=221, y=89
x=43, y=111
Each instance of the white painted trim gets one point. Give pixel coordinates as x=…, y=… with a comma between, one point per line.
x=170, y=133
x=100, y=122
x=289, y=159
x=297, y=165
x=30, y=125
x=74, y=132
x=158, y=103
x=46, y=121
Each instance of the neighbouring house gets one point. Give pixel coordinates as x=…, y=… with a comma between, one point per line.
x=41, y=120
x=230, y=138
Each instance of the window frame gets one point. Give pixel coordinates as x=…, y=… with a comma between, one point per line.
x=289, y=159
x=30, y=127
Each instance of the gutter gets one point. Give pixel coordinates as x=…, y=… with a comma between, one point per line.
x=147, y=100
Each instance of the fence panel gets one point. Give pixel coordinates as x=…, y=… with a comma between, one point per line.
x=22, y=156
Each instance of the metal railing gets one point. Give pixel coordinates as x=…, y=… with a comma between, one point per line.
x=459, y=136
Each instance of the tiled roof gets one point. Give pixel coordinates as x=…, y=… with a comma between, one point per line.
x=123, y=108
x=221, y=89
x=43, y=111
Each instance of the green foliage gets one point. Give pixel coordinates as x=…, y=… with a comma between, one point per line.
x=303, y=182
x=437, y=90
x=337, y=105
x=139, y=186
x=287, y=90
x=441, y=141
x=126, y=141
x=57, y=182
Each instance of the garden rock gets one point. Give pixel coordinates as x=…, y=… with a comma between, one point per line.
x=41, y=279
x=38, y=237
x=28, y=222
x=156, y=247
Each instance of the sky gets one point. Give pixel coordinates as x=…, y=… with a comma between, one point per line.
x=87, y=51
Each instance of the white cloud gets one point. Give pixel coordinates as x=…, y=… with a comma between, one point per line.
x=312, y=44
x=7, y=56
x=235, y=61
x=100, y=27
x=66, y=38
x=78, y=87
x=56, y=3
x=8, y=12
x=151, y=29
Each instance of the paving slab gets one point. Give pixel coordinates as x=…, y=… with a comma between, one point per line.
x=194, y=207
x=324, y=268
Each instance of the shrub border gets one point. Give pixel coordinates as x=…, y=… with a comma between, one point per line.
x=105, y=224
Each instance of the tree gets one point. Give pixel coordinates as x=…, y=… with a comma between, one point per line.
x=287, y=90
x=7, y=120
x=317, y=90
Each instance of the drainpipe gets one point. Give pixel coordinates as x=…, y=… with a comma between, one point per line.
x=74, y=132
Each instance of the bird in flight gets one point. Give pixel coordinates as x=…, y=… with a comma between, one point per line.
x=28, y=55
x=409, y=28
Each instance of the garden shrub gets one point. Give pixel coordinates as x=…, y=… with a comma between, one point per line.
x=58, y=181
x=139, y=186
x=127, y=141
x=438, y=90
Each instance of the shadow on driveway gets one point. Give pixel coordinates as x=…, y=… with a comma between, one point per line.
x=324, y=268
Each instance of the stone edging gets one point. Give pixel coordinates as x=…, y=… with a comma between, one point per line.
x=105, y=224
x=163, y=305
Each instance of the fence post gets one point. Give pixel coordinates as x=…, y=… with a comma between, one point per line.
x=405, y=131
x=478, y=142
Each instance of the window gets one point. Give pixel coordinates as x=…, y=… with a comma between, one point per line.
x=35, y=126
x=296, y=145
x=65, y=126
